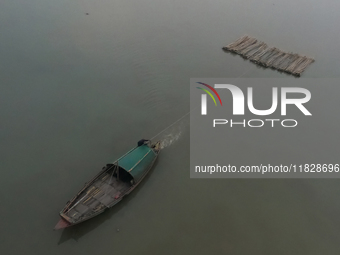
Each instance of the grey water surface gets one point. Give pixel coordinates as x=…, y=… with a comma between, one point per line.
x=77, y=91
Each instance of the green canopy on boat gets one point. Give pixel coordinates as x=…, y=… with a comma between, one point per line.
x=137, y=161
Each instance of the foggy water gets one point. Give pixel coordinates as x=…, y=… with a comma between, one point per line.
x=78, y=91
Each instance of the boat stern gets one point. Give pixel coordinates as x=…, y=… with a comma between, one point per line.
x=156, y=146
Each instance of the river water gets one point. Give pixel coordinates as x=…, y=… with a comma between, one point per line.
x=78, y=91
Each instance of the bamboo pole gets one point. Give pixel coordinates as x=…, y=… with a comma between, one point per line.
x=259, y=53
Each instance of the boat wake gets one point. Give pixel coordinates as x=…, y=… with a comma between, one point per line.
x=173, y=132
x=169, y=139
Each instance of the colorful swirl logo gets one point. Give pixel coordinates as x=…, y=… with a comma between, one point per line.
x=208, y=92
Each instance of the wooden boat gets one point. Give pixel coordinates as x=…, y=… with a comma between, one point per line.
x=110, y=185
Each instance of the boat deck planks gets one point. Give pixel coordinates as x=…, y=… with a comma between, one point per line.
x=102, y=192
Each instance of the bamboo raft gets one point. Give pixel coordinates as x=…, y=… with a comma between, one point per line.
x=270, y=57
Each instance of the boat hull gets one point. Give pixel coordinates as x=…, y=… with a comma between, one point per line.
x=66, y=214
